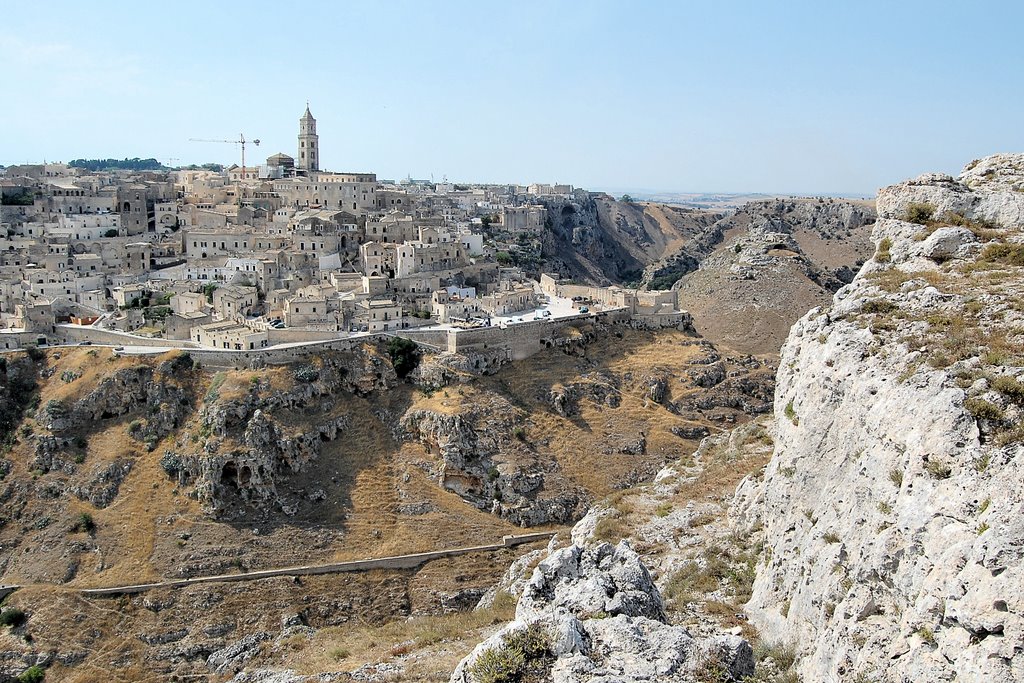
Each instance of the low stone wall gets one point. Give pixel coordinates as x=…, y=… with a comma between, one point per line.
x=435, y=338
x=240, y=360
x=73, y=334
x=394, y=562
x=292, y=335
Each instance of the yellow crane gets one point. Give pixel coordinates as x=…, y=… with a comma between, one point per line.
x=240, y=141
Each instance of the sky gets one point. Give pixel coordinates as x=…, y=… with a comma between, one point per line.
x=677, y=96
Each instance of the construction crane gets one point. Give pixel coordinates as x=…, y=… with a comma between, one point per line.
x=240, y=141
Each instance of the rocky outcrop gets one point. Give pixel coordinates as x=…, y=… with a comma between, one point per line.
x=162, y=394
x=592, y=613
x=249, y=471
x=601, y=387
x=483, y=457
x=892, y=504
x=445, y=369
x=244, y=449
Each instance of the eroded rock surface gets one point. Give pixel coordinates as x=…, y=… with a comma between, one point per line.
x=893, y=503
x=604, y=620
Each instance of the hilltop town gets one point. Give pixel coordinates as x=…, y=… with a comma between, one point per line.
x=282, y=253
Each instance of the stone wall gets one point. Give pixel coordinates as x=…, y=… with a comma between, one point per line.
x=73, y=334
x=226, y=358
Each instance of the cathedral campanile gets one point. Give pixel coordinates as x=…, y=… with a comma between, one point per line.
x=308, y=158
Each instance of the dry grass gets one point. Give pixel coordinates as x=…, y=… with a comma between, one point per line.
x=440, y=640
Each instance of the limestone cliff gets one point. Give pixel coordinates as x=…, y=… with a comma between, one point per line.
x=892, y=505
x=594, y=238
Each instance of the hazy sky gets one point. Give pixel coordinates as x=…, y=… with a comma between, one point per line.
x=674, y=96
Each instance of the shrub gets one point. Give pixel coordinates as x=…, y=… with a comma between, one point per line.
x=791, y=413
x=12, y=617
x=896, y=477
x=519, y=433
x=55, y=410
x=880, y=306
x=830, y=537
x=610, y=528
x=509, y=661
x=1007, y=254
x=883, y=255
x=498, y=665
x=85, y=523
x=926, y=634
x=983, y=410
x=339, y=653
x=919, y=213
x=33, y=674
x=1009, y=386
x=937, y=470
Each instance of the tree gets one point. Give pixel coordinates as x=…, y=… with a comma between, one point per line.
x=405, y=355
x=208, y=291
x=626, y=199
x=504, y=258
x=110, y=233
x=23, y=197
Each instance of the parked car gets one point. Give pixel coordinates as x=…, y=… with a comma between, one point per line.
x=584, y=309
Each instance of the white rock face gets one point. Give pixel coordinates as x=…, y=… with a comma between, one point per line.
x=605, y=623
x=894, y=525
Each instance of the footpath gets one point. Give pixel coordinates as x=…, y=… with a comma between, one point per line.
x=393, y=562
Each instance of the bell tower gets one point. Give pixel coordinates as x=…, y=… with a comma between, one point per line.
x=308, y=158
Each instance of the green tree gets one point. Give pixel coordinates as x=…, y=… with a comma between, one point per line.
x=208, y=291
x=405, y=355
